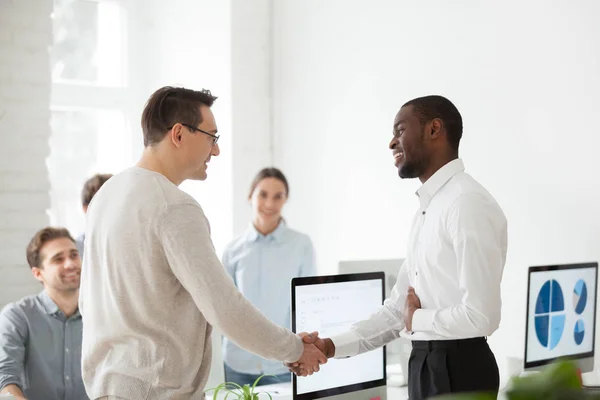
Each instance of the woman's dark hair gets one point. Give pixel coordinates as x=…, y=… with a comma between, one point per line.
x=269, y=173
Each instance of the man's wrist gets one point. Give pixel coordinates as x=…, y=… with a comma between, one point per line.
x=12, y=389
x=329, y=348
x=411, y=313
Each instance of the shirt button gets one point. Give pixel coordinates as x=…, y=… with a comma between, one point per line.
x=67, y=350
x=67, y=377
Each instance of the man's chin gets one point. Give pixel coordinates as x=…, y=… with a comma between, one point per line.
x=70, y=288
x=405, y=172
x=199, y=177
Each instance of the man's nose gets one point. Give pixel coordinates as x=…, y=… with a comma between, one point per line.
x=216, y=150
x=72, y=263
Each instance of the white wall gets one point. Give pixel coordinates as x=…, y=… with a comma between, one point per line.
x=187, y=43
x=251, y=96
x=25, y=34
x=526, y=78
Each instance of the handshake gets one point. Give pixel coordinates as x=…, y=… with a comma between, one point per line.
x=316, y=352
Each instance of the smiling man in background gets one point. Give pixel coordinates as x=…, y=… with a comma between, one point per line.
x=40, y=336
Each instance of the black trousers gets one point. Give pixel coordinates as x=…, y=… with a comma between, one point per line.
x=451, y=366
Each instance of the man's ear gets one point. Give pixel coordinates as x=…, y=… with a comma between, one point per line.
x=37, y=274
x=435, y=128
x=176, y=134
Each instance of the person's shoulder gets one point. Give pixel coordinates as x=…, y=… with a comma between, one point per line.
x=465, y=186
x=174, y=196
x=18, y=310
x=471, y=196
x=297, y=236
x=236, y=244
x=154, y=185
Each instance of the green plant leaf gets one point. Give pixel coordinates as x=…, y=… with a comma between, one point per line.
x=258, y=380
x=218, y=389
x=247, y=392
x=224, y=387
x=228, y=393
x=558, y=380
x=241, y=392
x=268, y=394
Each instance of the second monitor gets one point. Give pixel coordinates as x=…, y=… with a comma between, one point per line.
x=561, y=315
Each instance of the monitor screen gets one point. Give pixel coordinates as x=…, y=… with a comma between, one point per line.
x=561, y=313
x=330, y=305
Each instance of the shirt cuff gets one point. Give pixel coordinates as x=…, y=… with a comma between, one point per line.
x=296, y=354
x=422, y=320
x=346, y=344
x=4, y=382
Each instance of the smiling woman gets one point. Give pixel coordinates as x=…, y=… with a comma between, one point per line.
x=262, y=262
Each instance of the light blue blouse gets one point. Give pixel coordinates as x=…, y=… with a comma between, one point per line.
x=262, y=268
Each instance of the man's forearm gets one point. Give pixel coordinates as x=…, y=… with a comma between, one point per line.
x=13, y=390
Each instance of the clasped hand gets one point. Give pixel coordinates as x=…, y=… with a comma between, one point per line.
x=412, y=304
x=313, y=356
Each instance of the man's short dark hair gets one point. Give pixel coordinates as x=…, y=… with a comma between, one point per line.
x=91, y=186
x=43, y=236
x=170, y=105
x=430, y=107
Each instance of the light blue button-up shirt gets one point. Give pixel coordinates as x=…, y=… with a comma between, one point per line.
x=262, y=268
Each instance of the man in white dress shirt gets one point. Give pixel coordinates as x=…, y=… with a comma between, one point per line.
x=447, y=297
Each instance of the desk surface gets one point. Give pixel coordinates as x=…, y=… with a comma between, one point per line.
x=283, y=391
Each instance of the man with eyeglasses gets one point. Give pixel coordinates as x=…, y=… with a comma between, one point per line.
x=153, y=286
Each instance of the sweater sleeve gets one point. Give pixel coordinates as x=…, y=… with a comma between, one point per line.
x=184, y=233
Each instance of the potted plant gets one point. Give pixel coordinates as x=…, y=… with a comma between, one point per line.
x=558, y=381
x=237, y=392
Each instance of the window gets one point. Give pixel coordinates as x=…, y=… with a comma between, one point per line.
x=105, y=63
x=89, y=105
x=89, y=45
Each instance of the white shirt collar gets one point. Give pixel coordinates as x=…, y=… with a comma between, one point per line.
x=437, y=180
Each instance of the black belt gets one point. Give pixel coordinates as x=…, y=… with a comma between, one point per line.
x=447, y=344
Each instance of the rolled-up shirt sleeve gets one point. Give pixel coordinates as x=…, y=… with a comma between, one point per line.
x=380, y=328
x=13, y=336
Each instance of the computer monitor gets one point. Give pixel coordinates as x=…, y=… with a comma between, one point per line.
x=397, y=351
x=561, y=315
x=390, y=266
x=330, y=305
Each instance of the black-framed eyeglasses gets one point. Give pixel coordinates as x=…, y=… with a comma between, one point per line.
x=193, y=128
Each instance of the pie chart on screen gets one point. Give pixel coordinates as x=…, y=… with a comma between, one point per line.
x=579, y=332
x=550, y=314
x=580, y=296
